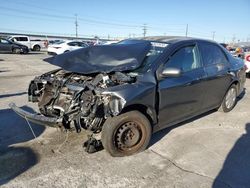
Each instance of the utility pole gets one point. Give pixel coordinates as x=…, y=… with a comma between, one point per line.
x=233, y=39
x=213, y=34
x=144, y=28
x=76, y=24
x=186, y=30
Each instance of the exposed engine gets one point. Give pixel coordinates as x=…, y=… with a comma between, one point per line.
x=75, y=98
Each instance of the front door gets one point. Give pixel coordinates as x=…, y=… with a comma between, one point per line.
x=181, y=97
x=5, y=46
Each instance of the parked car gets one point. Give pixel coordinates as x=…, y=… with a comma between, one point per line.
x=54, y=41
x=247, y=63
x=224, y=45
x=9, y=46
x=65, y=46
x=25, y=40
x=129, y=90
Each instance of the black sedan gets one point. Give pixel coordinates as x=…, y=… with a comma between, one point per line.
x=129, y=90
x=7, y=46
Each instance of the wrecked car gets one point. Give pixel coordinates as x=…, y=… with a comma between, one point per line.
x=129, y=90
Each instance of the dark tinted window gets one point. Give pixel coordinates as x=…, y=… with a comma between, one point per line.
x=185, y=59
x=72, y=44
x=3, y=41
x=81, y=44
x=23, y=39
x=15, y=39
x=212, y=54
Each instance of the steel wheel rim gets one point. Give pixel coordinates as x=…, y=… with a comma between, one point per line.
x=230, y=98
x=129, y=137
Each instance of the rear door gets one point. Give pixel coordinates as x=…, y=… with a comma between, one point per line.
x=181, y=97
x=217, y=68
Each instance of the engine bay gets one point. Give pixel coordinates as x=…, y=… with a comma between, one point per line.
x=77, y=99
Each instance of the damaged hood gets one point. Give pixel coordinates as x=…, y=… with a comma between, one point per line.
x=127, y=55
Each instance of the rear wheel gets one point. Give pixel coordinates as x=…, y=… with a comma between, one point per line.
x=36, y=48
x=126, y=134
x=229, y=100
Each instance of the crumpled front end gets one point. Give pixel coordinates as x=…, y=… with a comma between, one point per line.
x=75, y=100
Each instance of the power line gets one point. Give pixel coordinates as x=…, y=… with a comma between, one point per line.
x=50, y=9
x=34, y=17
x=36, y=13
x=68, y=17
x=85, y=16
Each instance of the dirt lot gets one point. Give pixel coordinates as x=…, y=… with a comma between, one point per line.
x=212, y=150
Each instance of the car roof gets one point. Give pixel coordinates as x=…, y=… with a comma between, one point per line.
x=18, y=36
x=173, y=39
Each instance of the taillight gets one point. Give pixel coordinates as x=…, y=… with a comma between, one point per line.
x=248, y=58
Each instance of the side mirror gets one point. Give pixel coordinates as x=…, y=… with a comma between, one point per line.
x=171, y=72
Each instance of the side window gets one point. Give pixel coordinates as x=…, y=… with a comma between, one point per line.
x=23, y=39
x=81, y=44
x=16, y=39
x=212, y=54
x=4, y=41
x=72, y=44
x=185, y=59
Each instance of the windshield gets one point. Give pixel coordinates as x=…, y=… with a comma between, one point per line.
x=157, y=48
x=4, y=41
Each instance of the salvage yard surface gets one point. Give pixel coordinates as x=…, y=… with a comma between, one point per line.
x=212, y=150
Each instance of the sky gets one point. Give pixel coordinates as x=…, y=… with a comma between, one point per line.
x=223, y=20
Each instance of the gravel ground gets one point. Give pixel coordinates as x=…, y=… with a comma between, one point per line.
x=212, y=150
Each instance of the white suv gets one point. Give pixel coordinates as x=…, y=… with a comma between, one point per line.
x=25, y=40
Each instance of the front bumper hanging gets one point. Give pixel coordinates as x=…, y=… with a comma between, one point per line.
x=36, y=118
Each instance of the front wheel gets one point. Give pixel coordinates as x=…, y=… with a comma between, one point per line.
x=126, y=134
x=229, y=100
x=16, y=51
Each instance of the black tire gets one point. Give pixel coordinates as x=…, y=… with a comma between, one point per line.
x=37, y=48
x=126, y=134
x=248, y=75
x=230, y=99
